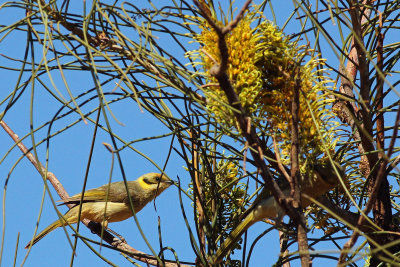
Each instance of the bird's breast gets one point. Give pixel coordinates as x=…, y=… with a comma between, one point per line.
x=111, y=212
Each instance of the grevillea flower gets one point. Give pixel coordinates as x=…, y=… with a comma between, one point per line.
x=265, y=67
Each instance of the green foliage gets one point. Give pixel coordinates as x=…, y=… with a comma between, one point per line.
x=156, y=57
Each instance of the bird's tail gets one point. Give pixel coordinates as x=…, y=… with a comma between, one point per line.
x=233, y=237
x=43, y=233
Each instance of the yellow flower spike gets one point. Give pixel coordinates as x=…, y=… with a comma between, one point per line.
x=263, y=67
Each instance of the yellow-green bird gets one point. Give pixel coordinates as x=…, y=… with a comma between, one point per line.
x=265, y=206
x=110, y=202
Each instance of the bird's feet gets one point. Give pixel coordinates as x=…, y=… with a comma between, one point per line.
x=117, y=241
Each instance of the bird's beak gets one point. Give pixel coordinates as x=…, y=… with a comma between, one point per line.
x=169, y=182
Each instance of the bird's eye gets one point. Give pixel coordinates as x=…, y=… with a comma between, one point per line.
x=158, y=178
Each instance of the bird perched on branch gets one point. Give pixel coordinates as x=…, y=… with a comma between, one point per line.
x=265, y=206
x=110, y=202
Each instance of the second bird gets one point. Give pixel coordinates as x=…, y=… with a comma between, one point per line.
x=110, y=202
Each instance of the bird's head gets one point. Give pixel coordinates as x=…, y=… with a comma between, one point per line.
x=155, y=181
x=328, y=173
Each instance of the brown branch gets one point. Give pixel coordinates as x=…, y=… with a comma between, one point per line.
x=244, y=122
x=364, y=130
x=347, y=216
x=380, y=123
x=39, y=167
x=363, y=68
x=393, y=164
x=382, y=169
x=283, y=240
x=231, y=25
x=295, y=178
x=252, y=139
x=55, y=15
x=348, y=111
x=94, y=227
x=294, y=149
x=381, y=175
x=217, y=70
x=382, y=207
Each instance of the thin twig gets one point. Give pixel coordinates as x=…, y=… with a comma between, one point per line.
x=279, y=161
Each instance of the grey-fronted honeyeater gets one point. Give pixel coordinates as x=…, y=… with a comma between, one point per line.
x=110, y=202
x=265, y=206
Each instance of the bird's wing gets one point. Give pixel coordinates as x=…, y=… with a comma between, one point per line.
x=264, y=194
x=117, y=193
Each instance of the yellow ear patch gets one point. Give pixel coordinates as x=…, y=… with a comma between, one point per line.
x=143, y=184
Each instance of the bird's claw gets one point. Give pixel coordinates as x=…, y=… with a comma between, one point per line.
x=117, y=241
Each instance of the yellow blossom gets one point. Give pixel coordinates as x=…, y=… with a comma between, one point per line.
x=265, y=67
